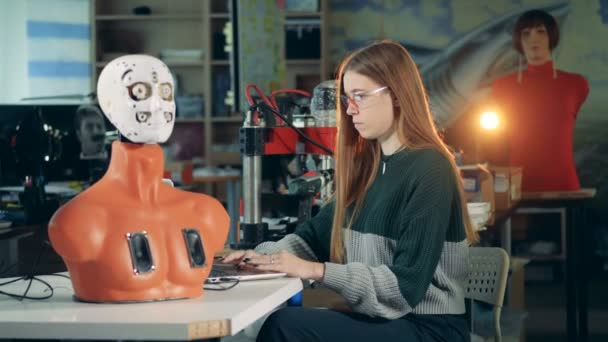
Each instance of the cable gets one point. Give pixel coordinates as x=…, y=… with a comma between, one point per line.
x=300, y=133
x=30, y=278
x=273, y=99
x=260, y=92
x=33, y=272
x=234, y=282
x=24, y=295
x=271, y=105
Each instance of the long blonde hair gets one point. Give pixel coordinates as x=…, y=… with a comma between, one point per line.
x=389, y=64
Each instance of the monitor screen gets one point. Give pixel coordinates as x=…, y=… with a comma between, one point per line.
x=76, y=135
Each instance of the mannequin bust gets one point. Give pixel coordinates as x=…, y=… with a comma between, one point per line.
x=130, y=237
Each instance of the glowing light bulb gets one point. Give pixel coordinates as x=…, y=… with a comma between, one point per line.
x=489, y=120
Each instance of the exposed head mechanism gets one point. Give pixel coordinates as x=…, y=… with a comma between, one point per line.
x=136, y=93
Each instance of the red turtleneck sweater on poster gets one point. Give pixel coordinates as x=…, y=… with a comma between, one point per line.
x=540, y=113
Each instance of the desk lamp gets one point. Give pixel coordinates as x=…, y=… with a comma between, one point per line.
x=489, y=121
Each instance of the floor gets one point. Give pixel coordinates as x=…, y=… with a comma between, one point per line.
x=545, y=303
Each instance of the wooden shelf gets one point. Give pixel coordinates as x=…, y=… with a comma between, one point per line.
x=219, y=15
x=192, y=64
x=171, y=26
x=190, y=120
x=551, y=257
x=303, y=72
x=151, y=17
x=228, y=158
x=303, y=14
x=220, y=62
x=227, y=119
x=303, y=61
x=172, y=29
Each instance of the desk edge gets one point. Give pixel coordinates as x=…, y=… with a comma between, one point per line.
x=208, y=329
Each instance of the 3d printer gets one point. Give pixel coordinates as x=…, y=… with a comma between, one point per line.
x=267, y=131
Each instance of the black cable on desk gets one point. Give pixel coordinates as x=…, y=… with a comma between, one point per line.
x=24, y=295
x=231, y=284
x=31, y=277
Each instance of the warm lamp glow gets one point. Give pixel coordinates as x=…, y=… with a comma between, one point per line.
x=489, y=120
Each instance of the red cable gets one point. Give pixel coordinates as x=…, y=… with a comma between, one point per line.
x=255, y=116
x=291, y=91
x=283, y=91
x=272, y=103
x=260, y=92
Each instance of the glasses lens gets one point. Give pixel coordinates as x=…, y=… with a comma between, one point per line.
x=344, y=100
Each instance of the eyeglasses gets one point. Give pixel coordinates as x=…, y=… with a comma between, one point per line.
x=361, y=99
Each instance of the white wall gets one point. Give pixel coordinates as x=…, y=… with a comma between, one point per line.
x=13, y=52
x=44, y=48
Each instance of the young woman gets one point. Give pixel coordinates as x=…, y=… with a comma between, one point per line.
x=540, y=105
x=394, y=240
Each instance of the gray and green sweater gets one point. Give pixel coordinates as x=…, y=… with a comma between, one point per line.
x=407, y=250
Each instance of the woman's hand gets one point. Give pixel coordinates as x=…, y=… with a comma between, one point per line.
x=287, y=263
x=283, y=261
x=237, y=257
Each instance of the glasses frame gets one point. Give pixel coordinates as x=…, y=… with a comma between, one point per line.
x=350, y=101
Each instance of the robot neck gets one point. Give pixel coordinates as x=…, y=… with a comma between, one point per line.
x=139, y=168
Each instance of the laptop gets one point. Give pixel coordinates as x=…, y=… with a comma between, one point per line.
x=228, y=272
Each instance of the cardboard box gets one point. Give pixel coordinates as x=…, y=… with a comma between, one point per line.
x=478, y=184
x=507, y=186
x=516, y=295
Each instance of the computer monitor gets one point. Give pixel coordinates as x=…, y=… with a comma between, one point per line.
x=73, y=134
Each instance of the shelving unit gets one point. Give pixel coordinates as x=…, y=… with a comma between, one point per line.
x=135, y=17
x=304, y=73
x=211, y=136
x=178, y=25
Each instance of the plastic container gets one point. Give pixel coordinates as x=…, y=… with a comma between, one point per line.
x=323, y=104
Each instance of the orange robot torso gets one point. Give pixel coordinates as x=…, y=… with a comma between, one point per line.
x=130, y=237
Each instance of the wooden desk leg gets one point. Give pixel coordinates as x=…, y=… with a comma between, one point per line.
x=571, y=264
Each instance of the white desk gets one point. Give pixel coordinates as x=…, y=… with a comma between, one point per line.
x=215, y=314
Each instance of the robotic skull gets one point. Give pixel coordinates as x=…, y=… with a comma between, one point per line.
x=136, y=93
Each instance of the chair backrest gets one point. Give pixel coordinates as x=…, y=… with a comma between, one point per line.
x=488, y=272
x=487, y=281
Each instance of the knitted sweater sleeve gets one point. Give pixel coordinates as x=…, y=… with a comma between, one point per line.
x=311, y=239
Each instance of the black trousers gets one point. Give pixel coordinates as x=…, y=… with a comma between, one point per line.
x=308, y=324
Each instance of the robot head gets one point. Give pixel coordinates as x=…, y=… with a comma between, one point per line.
x=135, y=93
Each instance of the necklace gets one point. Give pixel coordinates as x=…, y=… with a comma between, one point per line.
x=385, y=159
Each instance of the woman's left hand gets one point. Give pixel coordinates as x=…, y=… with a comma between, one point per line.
x=287, y=263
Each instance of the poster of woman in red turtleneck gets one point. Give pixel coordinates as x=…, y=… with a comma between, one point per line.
x=540, y=104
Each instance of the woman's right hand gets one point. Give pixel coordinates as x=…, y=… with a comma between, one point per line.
x=238, y=257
